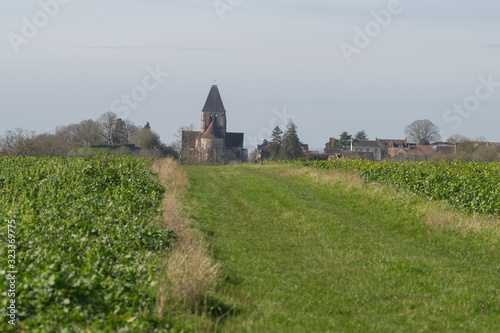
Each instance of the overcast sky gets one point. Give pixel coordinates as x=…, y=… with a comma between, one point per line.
x=330, y=65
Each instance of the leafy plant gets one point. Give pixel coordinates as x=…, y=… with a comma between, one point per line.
x=88, y=252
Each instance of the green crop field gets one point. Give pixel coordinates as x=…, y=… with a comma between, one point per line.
x=86, y=250
x=297, y=247
x=471, y=187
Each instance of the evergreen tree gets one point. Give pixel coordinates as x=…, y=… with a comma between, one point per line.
x=361, y=135
x=120, y=132
x=275, y=144
x=424, y=142
x=290, y=148
x=344, y=142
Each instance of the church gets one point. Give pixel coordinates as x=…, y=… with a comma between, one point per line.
x=213, y=143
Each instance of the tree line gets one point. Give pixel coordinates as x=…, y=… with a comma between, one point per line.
x=78, y=139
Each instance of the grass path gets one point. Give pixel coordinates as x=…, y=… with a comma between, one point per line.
x=307, y=256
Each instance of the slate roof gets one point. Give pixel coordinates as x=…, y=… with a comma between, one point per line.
x=234, y=140
x=214, y=101
x=366, y=143
x=392, y=143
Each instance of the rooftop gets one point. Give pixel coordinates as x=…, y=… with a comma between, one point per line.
x=366, y=143
x=214, y=101
x=213, y=132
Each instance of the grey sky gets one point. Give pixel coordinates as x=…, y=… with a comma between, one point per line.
x=271, y=59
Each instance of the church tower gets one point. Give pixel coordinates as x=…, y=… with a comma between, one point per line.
x=213, y=143
x=214, y=111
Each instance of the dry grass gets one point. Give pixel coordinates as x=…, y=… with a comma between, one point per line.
x=188, y=272
x=437, y=215
x=445, y=218
x=176, y=184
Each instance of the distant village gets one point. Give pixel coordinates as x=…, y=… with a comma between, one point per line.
x=215, y=144
x=399, y=149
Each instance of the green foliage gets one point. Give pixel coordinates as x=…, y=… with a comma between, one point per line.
x=471, y=187
x=290, y=148
x=168, y=150
x=150, y=142
x=119, y=132
x=361, y=135
x=424, y=142
x=87, y=250
x=275, y=144
x=344, y=141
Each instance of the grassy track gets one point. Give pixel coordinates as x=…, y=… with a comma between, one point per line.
x=308, y=256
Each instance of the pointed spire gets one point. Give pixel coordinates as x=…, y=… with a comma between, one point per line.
x=214, y=101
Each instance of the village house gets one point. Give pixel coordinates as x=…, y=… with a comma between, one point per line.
x=364, y=149
x=307, y=151
x=379, y=149
x=367, y=146
x=422, y=152
x=331, y=151
x=386, y=144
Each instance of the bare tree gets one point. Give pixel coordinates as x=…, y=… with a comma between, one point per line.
x=88, y=132
x=456, y=138
x=130, y=129
x=64, y=135
x=422, y=132
x=485, y=154
x=48, y=144
x=177, y=143
x=146, y=138
x=107, y=124
x=19, y=142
